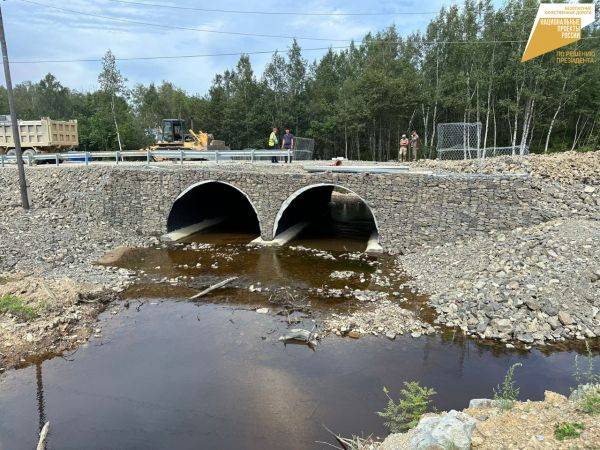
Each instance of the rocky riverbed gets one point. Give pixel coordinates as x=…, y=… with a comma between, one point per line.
x=384, y=318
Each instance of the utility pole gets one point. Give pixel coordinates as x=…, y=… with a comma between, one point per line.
x=13, y=117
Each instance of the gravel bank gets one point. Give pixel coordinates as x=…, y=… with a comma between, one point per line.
x=567, y=167
x=54, y=315
x=47, y=242
x=533, y=285
x=47, y=260
x=383, y=318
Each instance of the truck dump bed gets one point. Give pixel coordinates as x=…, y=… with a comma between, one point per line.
x=42, y=135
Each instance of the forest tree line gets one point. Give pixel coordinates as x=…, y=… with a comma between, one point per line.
x=356, y=102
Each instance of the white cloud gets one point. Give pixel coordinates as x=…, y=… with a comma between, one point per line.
x=36, y=33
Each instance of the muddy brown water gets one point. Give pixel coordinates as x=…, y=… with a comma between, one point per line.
x=168, y=373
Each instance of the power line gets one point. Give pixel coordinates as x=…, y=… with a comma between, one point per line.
x=256, y=52
x=177, y=27
x=147, y=58
x=237, y=33
x=271, y=13
x=168, y=57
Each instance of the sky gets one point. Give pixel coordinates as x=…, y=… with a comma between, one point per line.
x=35, y=32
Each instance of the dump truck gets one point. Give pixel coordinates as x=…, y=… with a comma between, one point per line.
x=173, y=136
x=39, y=136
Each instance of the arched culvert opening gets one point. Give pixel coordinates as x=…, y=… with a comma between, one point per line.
x=326, y=211
x=212, y=206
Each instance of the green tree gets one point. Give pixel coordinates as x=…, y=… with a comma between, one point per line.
x=112, y=83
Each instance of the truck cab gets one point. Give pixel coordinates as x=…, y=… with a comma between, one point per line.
x=173, y=131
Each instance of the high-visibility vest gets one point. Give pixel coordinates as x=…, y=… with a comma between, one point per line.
x=272, y=139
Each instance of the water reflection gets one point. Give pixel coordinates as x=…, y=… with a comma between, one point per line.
x=180, y=375
x=40, y=396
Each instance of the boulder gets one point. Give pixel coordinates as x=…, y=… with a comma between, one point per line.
x=502, y=325
x=565, y=318
x=583, y=390
x=480, y=403
x=449, y=430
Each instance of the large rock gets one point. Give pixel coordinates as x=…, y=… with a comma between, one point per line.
x=450, y=430
x=583, y=390
x=481, y=403
x=502, y=325
x=435, y=432
x=565, y=318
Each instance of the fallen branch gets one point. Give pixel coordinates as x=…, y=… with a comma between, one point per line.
x=43, y=435
x=213, y=287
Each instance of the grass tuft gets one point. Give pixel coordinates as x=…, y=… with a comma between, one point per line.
x=11, y=304
x=590, y=403
x=568, y=430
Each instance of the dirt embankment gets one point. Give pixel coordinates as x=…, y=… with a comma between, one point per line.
x=41, y=316
x=52, y=290
x=526, y=425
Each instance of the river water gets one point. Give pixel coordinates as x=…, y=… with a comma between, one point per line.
x=181, y=375
x=169, y=373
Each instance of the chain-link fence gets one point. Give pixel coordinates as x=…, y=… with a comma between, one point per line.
x=459, y=140
x=462, y=140
x=304, y=149
x=511, y=150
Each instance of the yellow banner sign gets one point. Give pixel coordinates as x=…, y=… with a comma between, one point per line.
x=557, y=25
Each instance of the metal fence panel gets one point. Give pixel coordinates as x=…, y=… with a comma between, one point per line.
x=462, y=140
x=304, y=149
x=458, y=140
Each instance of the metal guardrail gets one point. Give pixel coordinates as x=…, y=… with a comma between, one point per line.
x=150, y=156
x=357, y=169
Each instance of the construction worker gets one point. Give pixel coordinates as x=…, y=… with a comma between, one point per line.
x=403, y=152
x=274, y=143
x=288, y=142
x=414, y=144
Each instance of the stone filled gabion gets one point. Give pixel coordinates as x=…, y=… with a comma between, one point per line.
x=411, y=210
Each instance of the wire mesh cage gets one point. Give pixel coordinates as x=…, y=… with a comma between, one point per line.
x=459, y=140
x=304, y=149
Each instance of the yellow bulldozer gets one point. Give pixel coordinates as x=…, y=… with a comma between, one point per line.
x=173, y=136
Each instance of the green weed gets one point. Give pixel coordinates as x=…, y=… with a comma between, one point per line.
x=14, y=305
x=590, y=403
x=567, y=430
x=585, y=374
x=507, y=392
x=405, y=414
